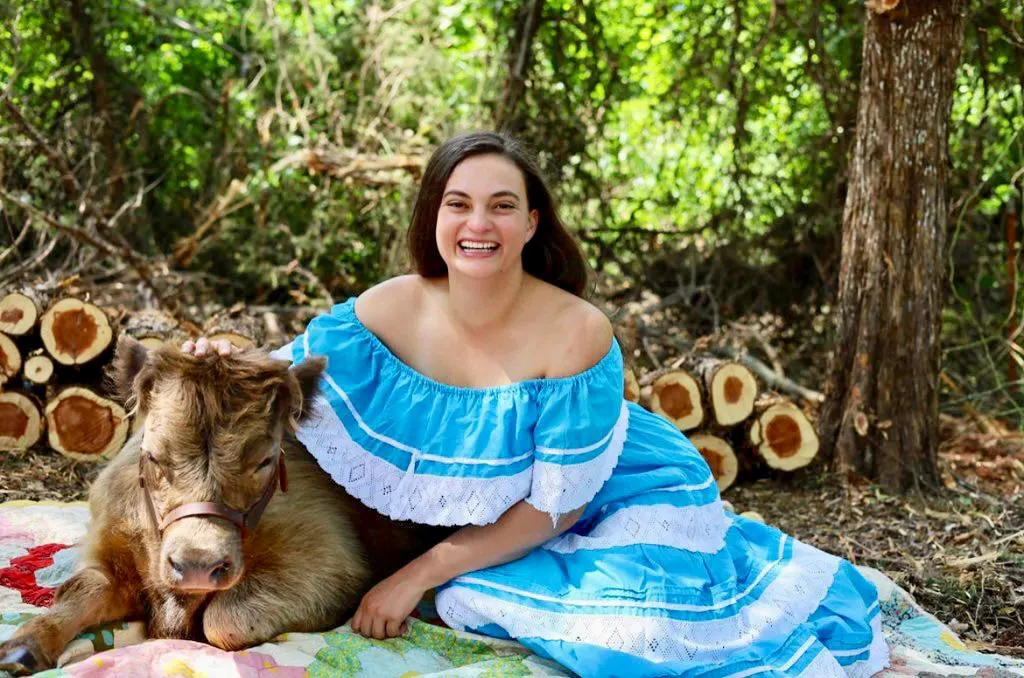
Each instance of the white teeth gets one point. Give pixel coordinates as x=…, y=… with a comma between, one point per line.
x=468, y=245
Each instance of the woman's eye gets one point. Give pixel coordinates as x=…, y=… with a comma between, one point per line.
x=456, y=204
x=506, y=206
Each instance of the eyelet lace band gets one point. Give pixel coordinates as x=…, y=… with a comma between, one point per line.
x=787, y=602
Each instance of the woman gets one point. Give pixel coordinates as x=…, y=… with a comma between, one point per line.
x=485, y=392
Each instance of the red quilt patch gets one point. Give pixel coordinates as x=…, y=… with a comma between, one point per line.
x=20, y=575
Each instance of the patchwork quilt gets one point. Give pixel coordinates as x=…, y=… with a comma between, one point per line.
x=38, y=552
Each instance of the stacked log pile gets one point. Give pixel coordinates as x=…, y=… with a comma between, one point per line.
x=738, y=428
x=53, y=355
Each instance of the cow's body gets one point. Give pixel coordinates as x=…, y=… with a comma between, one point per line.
x=313, y=554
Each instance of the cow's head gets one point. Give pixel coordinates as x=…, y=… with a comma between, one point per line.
x=210, y=452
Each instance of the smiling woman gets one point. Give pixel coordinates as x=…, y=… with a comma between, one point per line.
x=484, y=392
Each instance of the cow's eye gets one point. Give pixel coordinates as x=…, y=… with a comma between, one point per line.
x=265, y=463
x=152, y=459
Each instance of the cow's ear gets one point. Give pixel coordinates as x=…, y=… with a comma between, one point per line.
x=127, y=374
x=303, y=382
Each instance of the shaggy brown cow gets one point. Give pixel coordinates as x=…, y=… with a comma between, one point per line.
x=174, y=538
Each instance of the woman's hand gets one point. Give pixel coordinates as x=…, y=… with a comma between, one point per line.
x=201, y=346
x=383, y=610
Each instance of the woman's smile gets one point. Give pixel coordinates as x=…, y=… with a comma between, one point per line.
x=478, y=249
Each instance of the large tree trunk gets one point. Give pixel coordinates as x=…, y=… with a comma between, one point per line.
x=881, y=413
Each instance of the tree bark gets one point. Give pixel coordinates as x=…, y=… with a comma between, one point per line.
x=886, y=362
x=509, y=116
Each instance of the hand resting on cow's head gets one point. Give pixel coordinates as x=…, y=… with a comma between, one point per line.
x=179, y=536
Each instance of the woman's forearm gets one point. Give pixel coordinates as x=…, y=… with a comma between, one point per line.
x=517, y=532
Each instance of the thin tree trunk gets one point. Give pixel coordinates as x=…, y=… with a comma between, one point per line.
x=880, y=418
x=519, y=56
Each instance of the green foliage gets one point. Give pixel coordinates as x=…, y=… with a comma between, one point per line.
x=708, y=132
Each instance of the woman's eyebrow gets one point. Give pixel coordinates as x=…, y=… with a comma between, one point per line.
x=499, y=194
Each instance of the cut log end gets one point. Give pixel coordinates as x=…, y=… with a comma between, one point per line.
x=631, y=387
x=732, y=392
x=85, y=426
x=152, y=343
x=676, y=396
x=75, y=332
x=152, y=328
x=20, y=422
x=720, y=456
x=237, y=340
x=18, y=314
x=10, y=359
x=784, y=437
x=39, y=369
x=242, y=330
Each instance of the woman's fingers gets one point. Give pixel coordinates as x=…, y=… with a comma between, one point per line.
x=202, y=347
x=393, y=628
x=357, y=622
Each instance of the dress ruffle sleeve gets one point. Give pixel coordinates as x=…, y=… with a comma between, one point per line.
x=581, y=429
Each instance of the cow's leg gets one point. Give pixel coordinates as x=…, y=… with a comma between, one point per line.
x=86, y=599
x=254, y=611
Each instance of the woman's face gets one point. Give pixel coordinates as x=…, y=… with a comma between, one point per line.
x=484, y=222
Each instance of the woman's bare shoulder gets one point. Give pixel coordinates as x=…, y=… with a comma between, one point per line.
x=391, y=303
x=580, y=333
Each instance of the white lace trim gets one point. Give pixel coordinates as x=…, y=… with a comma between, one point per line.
x=402, y=494
x=822, y=666
x=784, y=604
x=562, y=488
x=692, y=528
x=878, y=654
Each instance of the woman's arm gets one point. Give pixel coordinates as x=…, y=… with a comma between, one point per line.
x=518, y=531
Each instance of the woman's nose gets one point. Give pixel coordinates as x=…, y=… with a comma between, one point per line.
x=478, y=220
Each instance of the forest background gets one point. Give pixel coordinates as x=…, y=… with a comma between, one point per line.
x=192, y=154
x=268, y=151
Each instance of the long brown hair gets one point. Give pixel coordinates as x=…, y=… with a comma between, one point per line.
x=551, y=254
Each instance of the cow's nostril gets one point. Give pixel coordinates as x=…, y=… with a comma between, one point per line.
x=177, y=571
x=220, y=571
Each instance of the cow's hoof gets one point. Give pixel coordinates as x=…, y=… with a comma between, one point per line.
x=19, y=660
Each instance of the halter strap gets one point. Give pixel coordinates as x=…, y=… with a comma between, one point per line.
x=245, y=521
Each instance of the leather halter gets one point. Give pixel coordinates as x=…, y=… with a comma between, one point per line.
x=245, y=521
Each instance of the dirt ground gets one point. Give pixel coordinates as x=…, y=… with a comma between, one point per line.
x=960, y=552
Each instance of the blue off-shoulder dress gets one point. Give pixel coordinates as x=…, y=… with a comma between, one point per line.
x=655, y=579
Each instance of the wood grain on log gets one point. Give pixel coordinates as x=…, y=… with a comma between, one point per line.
x=782, y=434
x=85, y=426
x=676, y=396
x=731, y=388
x=75, y=332
x=720, y=457
x=20, y=422
x=19, y=313
x=38, y=369
x=10, y=359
